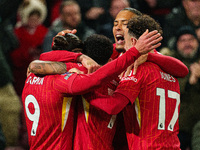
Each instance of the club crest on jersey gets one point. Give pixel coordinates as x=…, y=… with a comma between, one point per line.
x=67, y=75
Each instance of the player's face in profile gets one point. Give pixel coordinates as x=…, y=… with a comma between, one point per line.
x=120, y=24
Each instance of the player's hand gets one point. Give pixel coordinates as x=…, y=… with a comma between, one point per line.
x=75, y=70
x=148, y=41
x=67, y=31
x=195, y=73
x=89, y=63
x=139, y=61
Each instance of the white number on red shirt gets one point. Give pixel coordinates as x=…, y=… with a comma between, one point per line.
x=34, y=117
x=162, y=112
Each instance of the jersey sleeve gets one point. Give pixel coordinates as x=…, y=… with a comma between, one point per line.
x=60, y=55
x=169, y=64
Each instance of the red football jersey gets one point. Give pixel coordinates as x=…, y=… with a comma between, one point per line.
x=151, y=120
x=49, y=114
x=95, y=128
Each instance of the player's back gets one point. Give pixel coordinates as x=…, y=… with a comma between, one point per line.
x=95, y=128
x=157, y=110
x=48, y=113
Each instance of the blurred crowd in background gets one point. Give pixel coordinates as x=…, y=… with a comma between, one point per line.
x=27, y=28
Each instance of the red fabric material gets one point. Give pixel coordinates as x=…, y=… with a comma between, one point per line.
x=60, y=55
x=169, y=64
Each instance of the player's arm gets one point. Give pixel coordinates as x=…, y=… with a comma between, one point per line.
x=169, y=64
x=110, y=104
x=66, y=56
x=46, y=67
x=60, y=55
x=53, y=67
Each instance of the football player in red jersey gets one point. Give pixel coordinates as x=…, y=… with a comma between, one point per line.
x=150, y=100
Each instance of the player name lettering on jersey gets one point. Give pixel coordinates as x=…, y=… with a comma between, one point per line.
x=167, y=77
x=129, y=78
x=35, y=80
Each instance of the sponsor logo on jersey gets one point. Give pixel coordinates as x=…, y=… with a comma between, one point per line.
x=129, y=78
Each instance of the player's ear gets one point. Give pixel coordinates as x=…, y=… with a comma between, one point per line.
x=133, y=41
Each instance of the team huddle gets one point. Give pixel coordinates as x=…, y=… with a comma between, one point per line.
x=131, y=100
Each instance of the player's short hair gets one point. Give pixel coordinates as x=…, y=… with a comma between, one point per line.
x=69, y=42
x=133, y=10
x=138, y=25
x=99, y=48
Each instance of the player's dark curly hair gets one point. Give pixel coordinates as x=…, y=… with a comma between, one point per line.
x=69, y=42
x=138, y=25
x=99, y=48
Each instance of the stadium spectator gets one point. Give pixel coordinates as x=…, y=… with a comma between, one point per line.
x=91, y=10
x=157, y=9
x=185, y=14
x=70, y=18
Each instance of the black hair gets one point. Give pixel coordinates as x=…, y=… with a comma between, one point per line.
x=138, y=25
x=99, y=48
x=67, y=42
x=133, y=10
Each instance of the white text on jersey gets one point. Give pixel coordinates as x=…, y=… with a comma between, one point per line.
x=167, y=77
x=35, y=80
